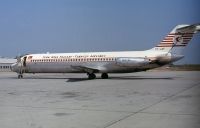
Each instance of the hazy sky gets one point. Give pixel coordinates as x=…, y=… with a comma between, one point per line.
x=39, y=26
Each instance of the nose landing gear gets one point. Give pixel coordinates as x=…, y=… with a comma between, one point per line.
x=20, y=76
x=19, y=66
x=20, y=73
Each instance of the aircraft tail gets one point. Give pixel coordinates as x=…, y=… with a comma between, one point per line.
x=177, y=39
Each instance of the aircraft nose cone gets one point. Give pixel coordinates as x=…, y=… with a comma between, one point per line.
x=14, y=67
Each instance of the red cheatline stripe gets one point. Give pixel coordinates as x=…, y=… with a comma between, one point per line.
x=168, y=38
x=164, y=45
x=166, y=41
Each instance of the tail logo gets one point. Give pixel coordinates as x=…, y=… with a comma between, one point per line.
x=179, y=39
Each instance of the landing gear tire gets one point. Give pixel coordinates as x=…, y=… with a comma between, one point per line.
x=91, y=76
x=20, y=76
x=104, y=76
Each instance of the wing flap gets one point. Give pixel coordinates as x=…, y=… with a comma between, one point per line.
x=85, y=69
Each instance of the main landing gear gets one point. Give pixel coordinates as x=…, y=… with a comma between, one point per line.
x=104, y=76
x=93, y=76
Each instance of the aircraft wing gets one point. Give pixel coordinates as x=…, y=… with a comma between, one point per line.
x=191, y=28
x=85, y=69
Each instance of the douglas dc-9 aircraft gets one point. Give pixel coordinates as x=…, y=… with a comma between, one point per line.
x=167, y=51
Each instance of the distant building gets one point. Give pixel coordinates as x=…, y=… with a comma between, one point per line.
x=5, y=64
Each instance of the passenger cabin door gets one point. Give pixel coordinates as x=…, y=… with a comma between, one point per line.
x=24, y=61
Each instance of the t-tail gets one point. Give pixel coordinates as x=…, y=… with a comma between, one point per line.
x=177, y=39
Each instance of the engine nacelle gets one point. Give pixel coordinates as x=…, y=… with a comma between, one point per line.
x=132, y=61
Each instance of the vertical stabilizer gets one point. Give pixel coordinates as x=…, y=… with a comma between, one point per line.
x=177, y=39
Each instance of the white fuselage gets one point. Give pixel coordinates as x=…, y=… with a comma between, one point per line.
x=103, y=62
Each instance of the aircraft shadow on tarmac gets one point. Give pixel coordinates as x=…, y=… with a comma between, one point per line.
x=70, y=79
x=122, y=78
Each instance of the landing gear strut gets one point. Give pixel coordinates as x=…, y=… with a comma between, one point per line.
x=91, y=76
x=20, y=73
x=104, y=76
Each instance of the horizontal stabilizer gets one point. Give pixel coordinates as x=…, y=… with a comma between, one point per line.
x=190, y=28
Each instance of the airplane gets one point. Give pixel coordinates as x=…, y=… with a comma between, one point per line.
x=169, y=50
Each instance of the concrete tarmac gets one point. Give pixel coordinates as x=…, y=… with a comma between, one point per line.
x=156, y=99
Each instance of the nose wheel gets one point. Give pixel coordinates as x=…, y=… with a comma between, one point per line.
x=20, y=73
x=20, y=76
